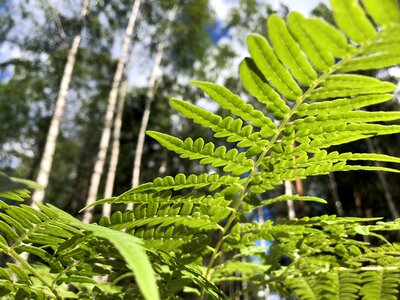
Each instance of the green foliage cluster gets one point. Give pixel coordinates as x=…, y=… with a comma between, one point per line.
x=196, y=229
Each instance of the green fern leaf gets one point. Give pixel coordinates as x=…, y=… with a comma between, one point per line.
x=266, y=61
x=383, y=12
x=8, y=231
x=227, y=127
x=351, y=18
x=319, y=57
x=289, y=52
x=342, y=119
x=369, y=62
x=292, y=197
x=256, y=85
x=19, y=229
x=341, y=105
x=168, y=215
x=213, y=181
x=232, y=160
x=236, y=105
x=339, y=284
x=326, y=256
x=129, y=248
x=327, y=37
x=21, y=273
x=380, y=285
x=336, y=86
x=304, y=288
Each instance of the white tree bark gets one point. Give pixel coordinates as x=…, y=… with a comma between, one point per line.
x=290, y=204
x=115, y=148
x=54, y=129
x=112, y=99
x=152, y=87
x=263, y=243
x=146, y=114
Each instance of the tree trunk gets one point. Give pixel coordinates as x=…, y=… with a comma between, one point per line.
x=334, y=190
x=290, y=203
x=386, y=189
x=146, y=115
x=115, y=148
x=54, y=129
x=112, y=99
x=300, y=204
x=260, y=212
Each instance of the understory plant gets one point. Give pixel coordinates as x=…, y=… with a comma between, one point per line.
x=192, y=235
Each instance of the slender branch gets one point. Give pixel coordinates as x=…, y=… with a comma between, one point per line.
x=58, y=22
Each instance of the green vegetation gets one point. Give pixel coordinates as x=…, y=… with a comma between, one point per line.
x=192, y=235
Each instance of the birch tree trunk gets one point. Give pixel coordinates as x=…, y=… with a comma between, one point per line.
x=261, y=220
x=112, y=99
x=115, y=148
x=386, y=189
x=54, y=129
x=146, y=115
x=290, y=203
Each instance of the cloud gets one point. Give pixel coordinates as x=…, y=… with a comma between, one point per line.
x=222, y=7
x=302, y=6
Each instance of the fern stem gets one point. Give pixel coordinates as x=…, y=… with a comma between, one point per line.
x=64, y=272
x=27, y=266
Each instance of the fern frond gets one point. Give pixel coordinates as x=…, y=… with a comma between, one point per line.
x=327, y=37
x=352, y=20
x=188, y=213
x=338, y=86
x=212, y=181
x=380, y=284
x=15, y=188
x=341, y=105
x=382, y=12
x=312, y=64
x=232, y=160
x=289, y=51
x=266, y=61
x=172, y=239
x=279, y=168
x=371, y=61
x=319, y=57
x=237, y=106
x=62, y=242
x=340, y=284
x=229, y=128
x=292, y=197
x=256, y=84
x=303, y=287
